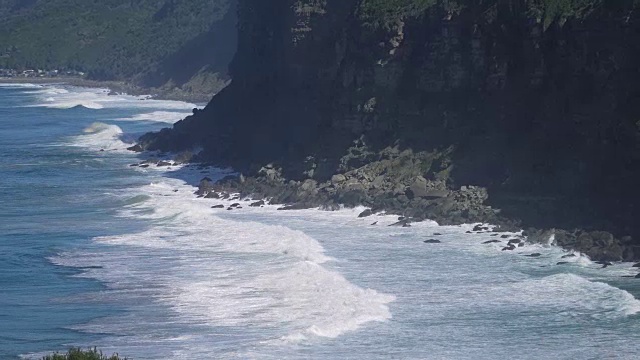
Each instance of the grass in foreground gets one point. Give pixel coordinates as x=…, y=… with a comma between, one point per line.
x=79, y=354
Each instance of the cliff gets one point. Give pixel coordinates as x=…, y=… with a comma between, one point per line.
x=534, y=100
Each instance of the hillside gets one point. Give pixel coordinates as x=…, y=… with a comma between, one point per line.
x=148, y=43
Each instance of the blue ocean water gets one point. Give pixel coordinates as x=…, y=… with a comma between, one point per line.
x=94, y=252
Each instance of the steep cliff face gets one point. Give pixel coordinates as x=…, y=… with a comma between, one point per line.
x=537, y=100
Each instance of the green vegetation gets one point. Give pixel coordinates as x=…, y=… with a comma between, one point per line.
x=384, y=13
x=559, y=10
x=79, y=354
x=108, y=39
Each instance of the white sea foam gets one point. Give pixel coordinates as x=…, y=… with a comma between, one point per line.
x=100, y=137
x=228, y=273
x=168, y=117
x=569, y=295
x=67, y=97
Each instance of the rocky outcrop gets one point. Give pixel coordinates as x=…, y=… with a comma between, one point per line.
x=456, y=111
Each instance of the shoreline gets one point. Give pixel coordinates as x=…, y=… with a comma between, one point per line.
x=268, y=184
x=120, y=87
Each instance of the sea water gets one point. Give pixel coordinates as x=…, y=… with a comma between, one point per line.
x=94, y=252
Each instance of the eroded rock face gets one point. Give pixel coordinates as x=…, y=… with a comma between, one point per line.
x=536, y=108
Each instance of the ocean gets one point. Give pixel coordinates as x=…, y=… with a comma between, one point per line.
x=95, y=252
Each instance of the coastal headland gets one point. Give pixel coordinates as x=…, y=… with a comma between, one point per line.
x=522, y=115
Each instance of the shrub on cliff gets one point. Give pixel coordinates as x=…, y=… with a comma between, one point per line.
x=79, y=354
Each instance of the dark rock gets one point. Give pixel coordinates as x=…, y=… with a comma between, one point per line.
x=235, y=205
x=469, y=232
x=521, y=244
x=164, y=163
x=562, y=262
x=365, y=213
x=258, y=203
x=298, y=206
x=508, y=248
x=437, y=234
x=514, y=241
x=494, y=234
x=604, y=264
x=218, y=207
x=568, y=256
x=136, y=148
x=229, y=208
x=534, y=255
x=638, y=276
x=636, y=265
x=504, y=236
x=478, y=227
x=144, y=166
x=401, y=223
x=213, y=195
x=491, y=242
x=375, y=223
x=432, y=241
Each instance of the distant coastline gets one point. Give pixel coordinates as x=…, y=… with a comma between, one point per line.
x=120, y=87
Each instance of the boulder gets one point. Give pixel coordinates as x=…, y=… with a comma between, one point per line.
x=432, y=241
x=218, y=207
x=491, y=242
x=365, y=213
x=562, y=262
x=213, y=195
x=136, y=148
x=258, y=203
x=514, y=241
x=534, y=255
x=401, y=223
x=436, y=194
x=509, y=248
x=338, y=179
x=309, y=185
x=636, y=265
x=568, y=256
x=418, y=188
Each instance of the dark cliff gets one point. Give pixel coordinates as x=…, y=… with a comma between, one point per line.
x=536, y=100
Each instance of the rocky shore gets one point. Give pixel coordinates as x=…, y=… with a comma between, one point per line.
x=394, y=185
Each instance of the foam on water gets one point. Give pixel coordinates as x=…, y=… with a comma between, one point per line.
x=68, y=97
x=168, y=117
x=235, y=274
x=100, y=137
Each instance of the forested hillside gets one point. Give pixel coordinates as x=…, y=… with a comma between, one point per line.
x=148, y=42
